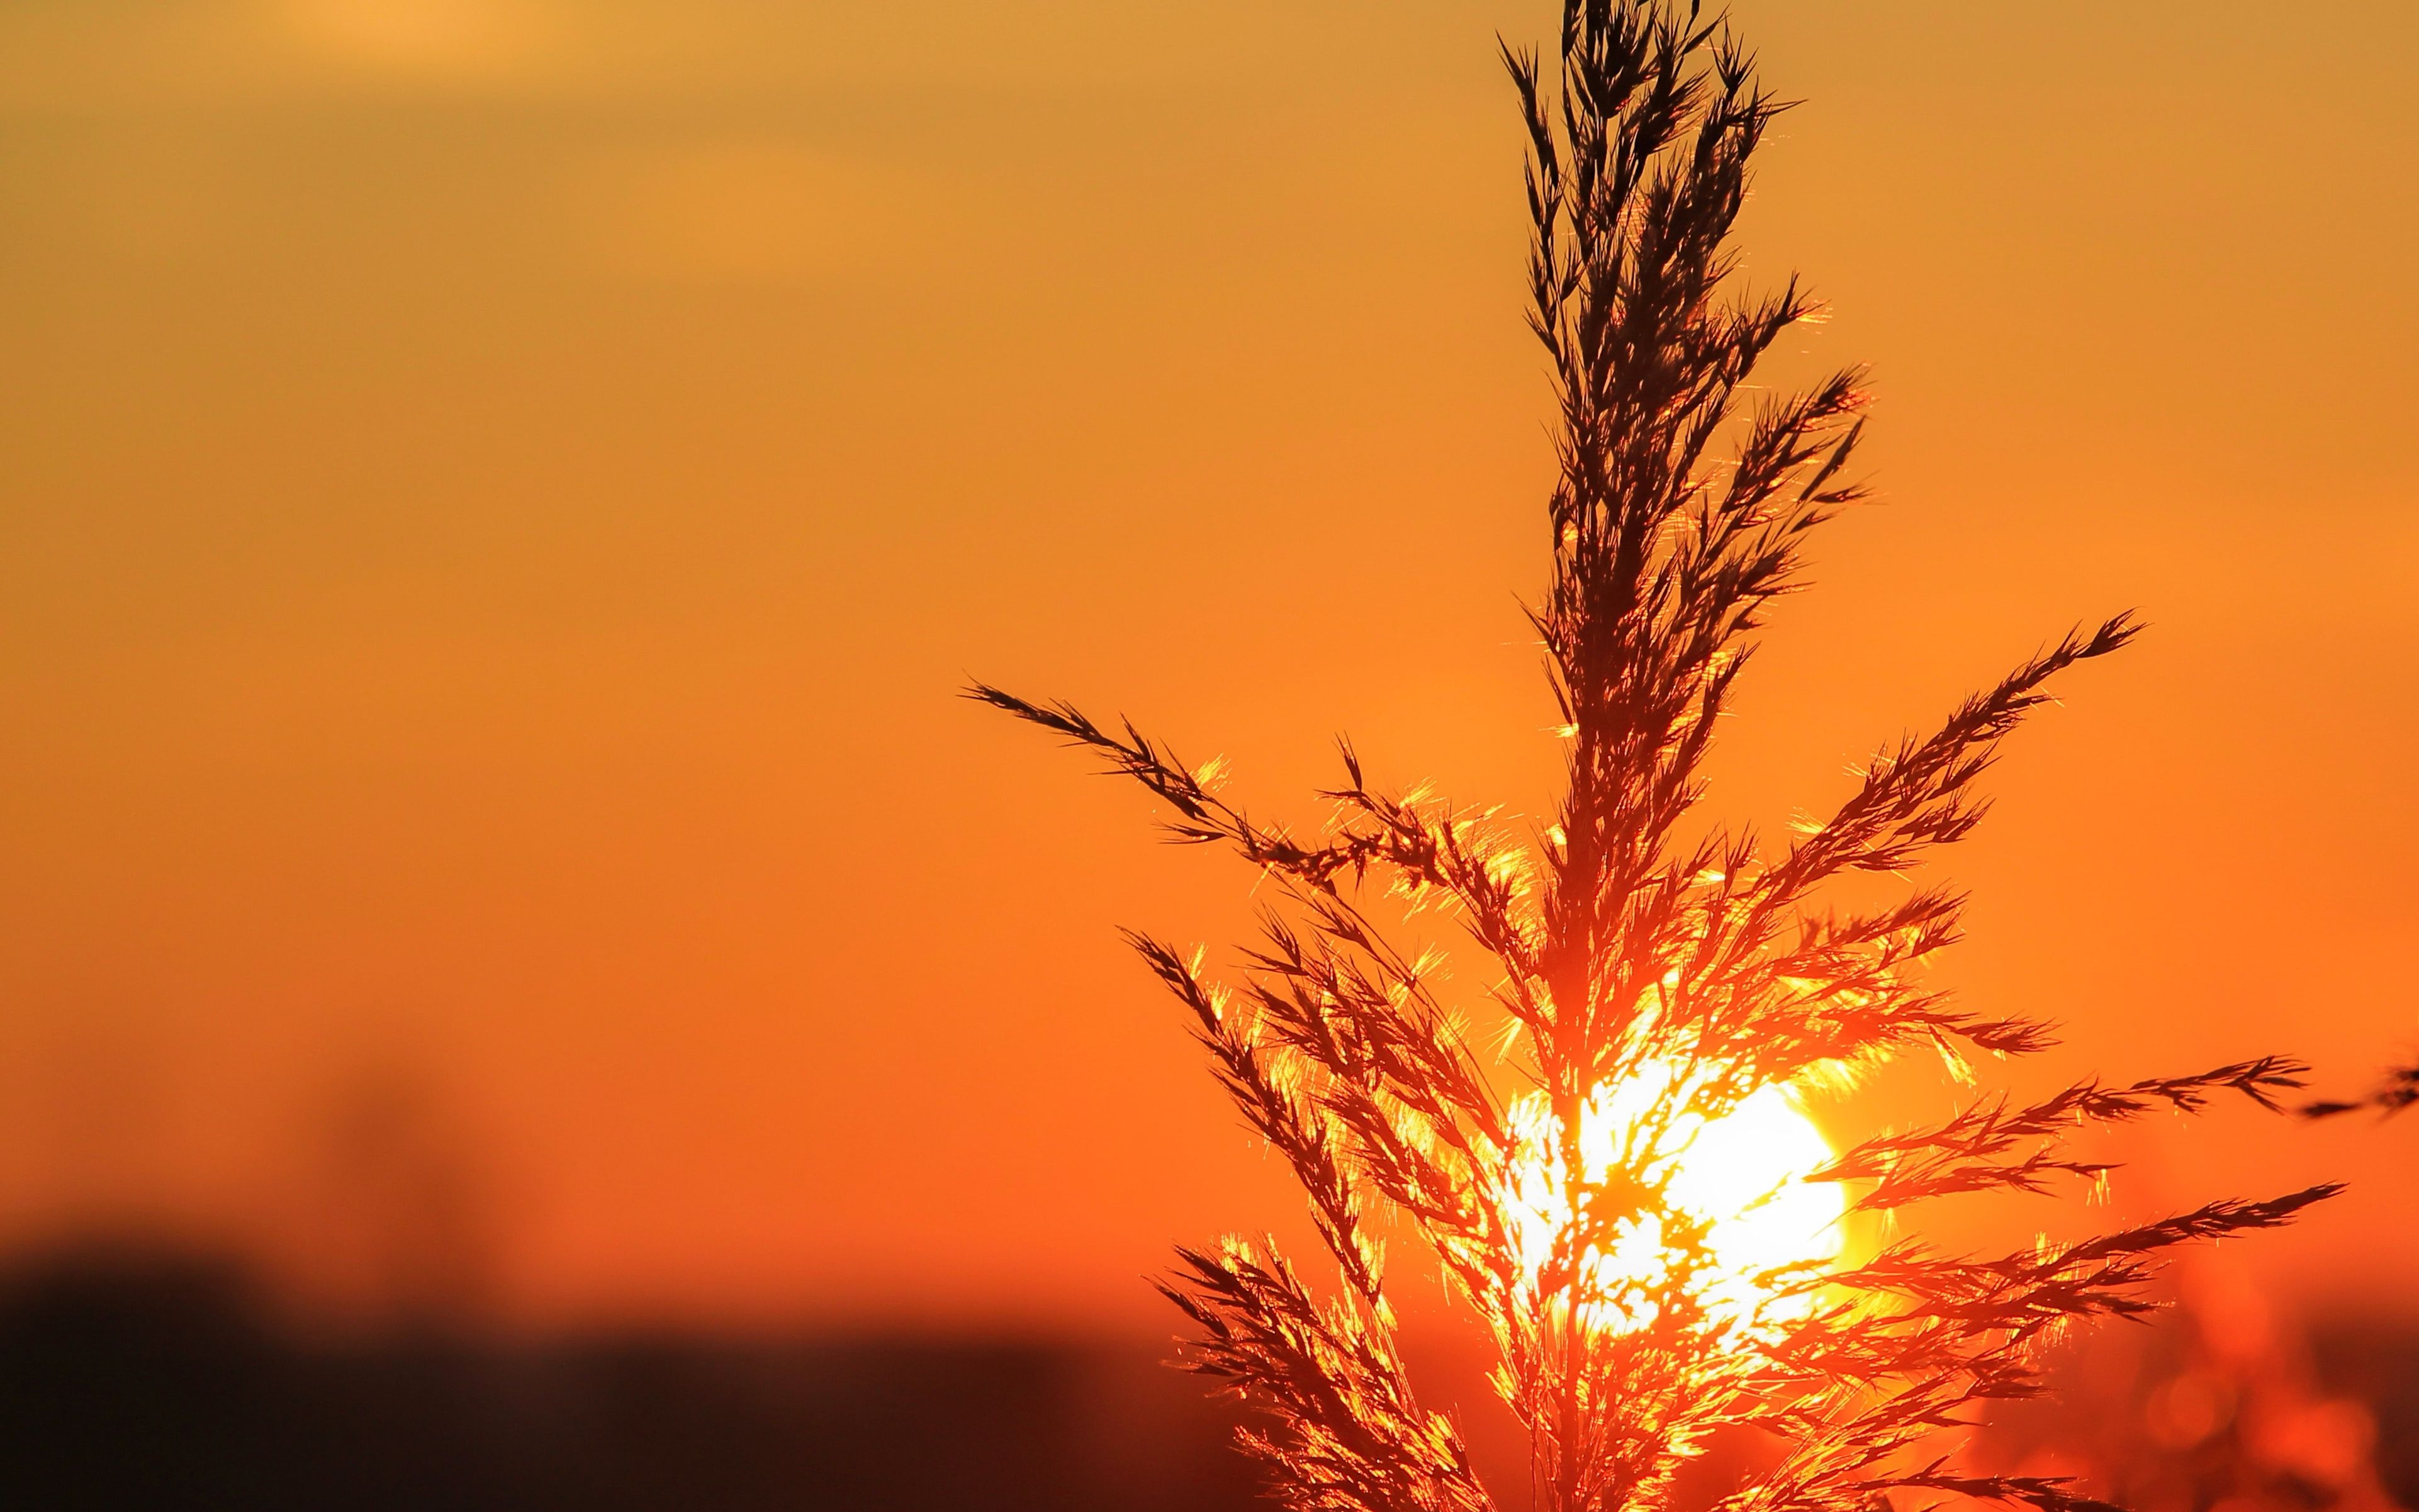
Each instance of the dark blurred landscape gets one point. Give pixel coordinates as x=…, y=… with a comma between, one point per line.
x=133, y=1378
x=136, y=1377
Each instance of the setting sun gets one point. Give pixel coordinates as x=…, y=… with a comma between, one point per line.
x=1742, y=1176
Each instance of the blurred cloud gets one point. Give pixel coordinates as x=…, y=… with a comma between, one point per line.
x=439, y=39
x=80, y=54
x=62, y=55
x=735, y=210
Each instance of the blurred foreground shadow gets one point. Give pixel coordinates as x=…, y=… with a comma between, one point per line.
x=143, y=1379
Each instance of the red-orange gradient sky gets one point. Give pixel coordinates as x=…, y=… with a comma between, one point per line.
x=495, y=497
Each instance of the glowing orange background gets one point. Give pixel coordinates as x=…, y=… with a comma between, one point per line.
x=495, y=497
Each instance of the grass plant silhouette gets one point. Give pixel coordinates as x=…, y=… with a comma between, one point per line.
x=2395, y=1090
x=1652, y=985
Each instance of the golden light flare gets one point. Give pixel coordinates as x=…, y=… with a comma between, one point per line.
x=1656, y=1175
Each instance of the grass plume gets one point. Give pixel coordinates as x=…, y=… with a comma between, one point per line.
x=1657, y=976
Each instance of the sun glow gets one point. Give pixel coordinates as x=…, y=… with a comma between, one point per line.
x=1741, y=1177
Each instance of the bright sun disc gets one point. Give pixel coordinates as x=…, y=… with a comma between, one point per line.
x=1742, y=1175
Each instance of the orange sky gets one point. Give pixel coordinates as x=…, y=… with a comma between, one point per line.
x=495, y=497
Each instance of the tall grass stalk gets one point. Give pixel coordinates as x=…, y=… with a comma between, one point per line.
x=1650, y=972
